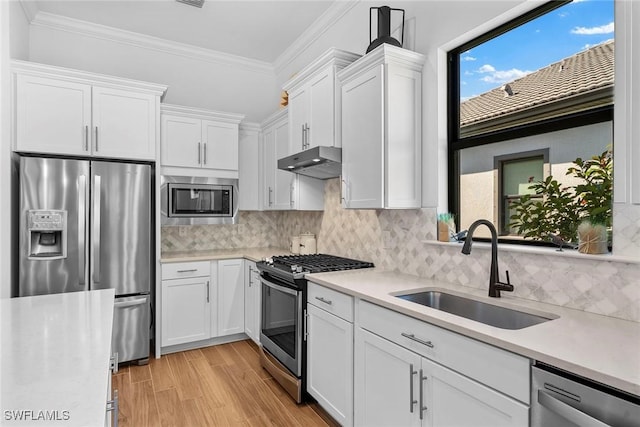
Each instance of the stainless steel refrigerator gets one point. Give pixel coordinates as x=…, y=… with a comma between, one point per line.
x=87, y=225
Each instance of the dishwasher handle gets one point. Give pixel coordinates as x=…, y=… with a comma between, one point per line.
x=567, y=411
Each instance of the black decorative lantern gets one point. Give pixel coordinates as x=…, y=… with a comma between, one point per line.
x=384, y=28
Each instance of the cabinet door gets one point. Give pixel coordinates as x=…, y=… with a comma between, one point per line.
x=385, y=382
x=52, y=116
x=251, y=301
x=330, y=363
x=363, y=140
x=269, y=167
x=446, y=392
x=230, y=297
x=124, y=124
x=321, y=116
x=249, y=168
x=220, y=145
x=283, y=180
x=298, y=112
x=186, y=310
x=181, y=139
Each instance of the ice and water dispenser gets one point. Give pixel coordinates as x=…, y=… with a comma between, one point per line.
x=47, y=234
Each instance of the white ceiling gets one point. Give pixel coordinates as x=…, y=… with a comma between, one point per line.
x=259, y=30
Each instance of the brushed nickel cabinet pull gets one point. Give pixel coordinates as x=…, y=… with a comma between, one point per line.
x=326, y=301
x=418, y=340
x=411, y=400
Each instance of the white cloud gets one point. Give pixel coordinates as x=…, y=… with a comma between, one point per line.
x=504, y=76
x=486, y=68
x=467, y=58
x=602, y=29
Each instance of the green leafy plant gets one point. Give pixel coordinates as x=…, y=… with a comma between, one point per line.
x=558, y=210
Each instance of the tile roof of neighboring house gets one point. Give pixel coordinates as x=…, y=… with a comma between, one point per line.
x=581, y=73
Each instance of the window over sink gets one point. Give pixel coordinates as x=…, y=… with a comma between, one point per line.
x=525, y=102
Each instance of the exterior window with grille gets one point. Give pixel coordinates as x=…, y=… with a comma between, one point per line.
x=516, y=174
x=526, y=100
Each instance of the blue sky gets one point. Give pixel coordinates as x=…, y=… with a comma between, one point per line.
x=536, y=44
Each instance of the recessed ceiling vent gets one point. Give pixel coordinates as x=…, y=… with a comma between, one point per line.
x=196, y=3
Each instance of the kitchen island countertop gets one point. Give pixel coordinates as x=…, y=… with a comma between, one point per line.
x=604, y=349
x=55, y=357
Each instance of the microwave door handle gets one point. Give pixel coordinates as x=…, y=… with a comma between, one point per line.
x=82, y=212
x=96, y=229
x=568, y=412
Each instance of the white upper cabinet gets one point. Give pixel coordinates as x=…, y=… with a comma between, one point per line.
x=69, y=112
x=314, y=102
x=284, y=190
x=124, y=124
x=381, y=130
x=205, y=142
x=250, y=168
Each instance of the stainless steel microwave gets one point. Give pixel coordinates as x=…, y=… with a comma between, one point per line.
x=198, y=200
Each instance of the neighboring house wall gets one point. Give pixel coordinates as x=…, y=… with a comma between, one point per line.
x=479, y=179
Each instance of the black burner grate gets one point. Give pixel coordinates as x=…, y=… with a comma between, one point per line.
x=317, y=263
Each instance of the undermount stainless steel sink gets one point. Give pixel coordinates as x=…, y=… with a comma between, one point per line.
x=489, y=314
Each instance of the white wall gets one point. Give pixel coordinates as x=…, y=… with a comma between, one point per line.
x=19, y=28
x=14, y=43
x=193, y=80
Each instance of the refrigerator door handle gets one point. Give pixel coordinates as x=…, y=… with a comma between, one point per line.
x=82, y=202
x=124, y=304
x=96, y=229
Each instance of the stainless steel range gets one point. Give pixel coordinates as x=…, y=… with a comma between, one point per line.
x=284, y=300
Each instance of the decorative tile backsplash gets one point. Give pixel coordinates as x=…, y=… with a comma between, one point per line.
x=404, y=241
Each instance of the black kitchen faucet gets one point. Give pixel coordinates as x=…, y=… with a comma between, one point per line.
x=495, y=285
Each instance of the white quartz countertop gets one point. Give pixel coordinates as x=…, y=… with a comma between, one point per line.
x=55, y=357
x=604, y=349
x=252, y=254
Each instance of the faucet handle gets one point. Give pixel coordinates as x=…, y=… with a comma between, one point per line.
x=500, y=286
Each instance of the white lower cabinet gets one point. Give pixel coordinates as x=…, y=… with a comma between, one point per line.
x=230, y=297
x=252, y=301
x=330, y=351
x=186, y=302
x=394, y=386
x=409, y=372
x=201, y=300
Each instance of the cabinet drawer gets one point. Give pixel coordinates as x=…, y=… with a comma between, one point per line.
x=331, y=301
x=180, y=270
x=497, y=368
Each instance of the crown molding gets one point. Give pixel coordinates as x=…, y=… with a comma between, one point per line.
x=200, y=113
x=84, y=77
x=76, y=26
x=250, y=127
x=30, y=9
x=281, y=114
x=320, y=26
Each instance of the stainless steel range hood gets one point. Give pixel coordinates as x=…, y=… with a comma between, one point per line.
x=316, y=162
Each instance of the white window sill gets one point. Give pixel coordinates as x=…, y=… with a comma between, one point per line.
x=540, y=250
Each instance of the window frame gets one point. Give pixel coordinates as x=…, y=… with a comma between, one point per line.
x=498, y=165
x=455, y=143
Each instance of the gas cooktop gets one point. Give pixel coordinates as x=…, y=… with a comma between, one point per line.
x=298, y=265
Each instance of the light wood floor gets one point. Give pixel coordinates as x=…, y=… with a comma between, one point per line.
x=215, y=386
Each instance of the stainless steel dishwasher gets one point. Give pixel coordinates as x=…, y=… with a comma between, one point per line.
x=561, y=399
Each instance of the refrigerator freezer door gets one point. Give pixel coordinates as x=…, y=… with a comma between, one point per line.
x=59, y=186
x=131, y=328
x=121, y=227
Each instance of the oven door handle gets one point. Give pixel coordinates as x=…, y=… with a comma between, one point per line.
x=278, y=287
x=568, y=412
